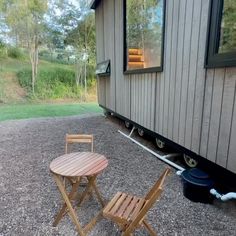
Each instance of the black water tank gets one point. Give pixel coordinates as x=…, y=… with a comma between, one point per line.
x=197, y=185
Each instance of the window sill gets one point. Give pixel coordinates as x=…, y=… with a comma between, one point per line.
x=142, y=71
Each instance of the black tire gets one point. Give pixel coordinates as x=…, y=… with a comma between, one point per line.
x=106, y=112
x=141, y=132
x=189, y=161
x=159, y=143
x=128, y=125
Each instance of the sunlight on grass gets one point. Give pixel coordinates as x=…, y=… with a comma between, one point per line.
x=14, y=112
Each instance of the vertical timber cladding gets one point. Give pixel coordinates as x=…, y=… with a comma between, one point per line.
x=185, y=103
x=143, y=99
x=219, y=118
x=101, y=81
x=109, y=49
x=122, y=81
x=180, y=87
x=231, y=160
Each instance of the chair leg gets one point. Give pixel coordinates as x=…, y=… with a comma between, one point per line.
x=127, y=231
x=149, y=228
x=127, y=234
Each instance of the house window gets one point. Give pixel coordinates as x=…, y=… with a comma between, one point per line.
x=144, y=30
x=222, y=34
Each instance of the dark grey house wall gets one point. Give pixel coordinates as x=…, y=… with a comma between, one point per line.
x=185, y=103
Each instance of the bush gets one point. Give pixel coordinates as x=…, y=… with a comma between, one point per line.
x=24, y=78
x=15, y=53
x=3, y=50
x=51, y=83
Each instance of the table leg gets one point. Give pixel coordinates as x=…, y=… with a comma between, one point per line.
x=93, y=222
x=98, y=193
x=68, y=203
x=87, y=189
x=70, y=195
x=91, y=186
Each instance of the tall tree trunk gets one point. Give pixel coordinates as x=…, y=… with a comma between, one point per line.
x=85, y=79
x=34, y=60
x=32, y=68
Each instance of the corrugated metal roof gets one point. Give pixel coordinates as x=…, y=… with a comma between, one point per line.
x=94, y=4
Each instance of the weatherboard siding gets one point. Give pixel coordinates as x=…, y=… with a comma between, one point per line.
x=186, y=103
x=101, y=82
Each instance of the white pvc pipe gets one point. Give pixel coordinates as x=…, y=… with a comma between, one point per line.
x=223, y=197
x=163, y=158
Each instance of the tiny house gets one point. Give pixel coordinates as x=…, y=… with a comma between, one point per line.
x=171, y=71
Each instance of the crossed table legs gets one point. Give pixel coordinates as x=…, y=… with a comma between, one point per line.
x=68, y=197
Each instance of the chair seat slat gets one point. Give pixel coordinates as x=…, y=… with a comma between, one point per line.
x=137, y=209
x=118, y=204
x=124, y=206
x=131, y=207
x=112, y=202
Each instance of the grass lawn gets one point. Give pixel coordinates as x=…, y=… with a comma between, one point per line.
x=14, y=112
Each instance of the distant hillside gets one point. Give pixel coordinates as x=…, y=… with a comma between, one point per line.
x=55, y=82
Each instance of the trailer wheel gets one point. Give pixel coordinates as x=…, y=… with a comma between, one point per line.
x=128, y=125
x=140, y=132
x=106, y=112
x=190, y=162
x=160, y=144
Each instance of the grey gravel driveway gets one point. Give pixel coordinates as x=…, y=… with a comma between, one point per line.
x=29, y=198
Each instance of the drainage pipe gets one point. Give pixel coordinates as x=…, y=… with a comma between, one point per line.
x=163, y=158
x=223, y=197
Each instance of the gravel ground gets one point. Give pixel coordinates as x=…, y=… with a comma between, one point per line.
x=29, y=198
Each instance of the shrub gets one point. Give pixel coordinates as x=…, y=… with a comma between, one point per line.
x=51, y=83
x=24, y=78
x=15, y=53
x=3, y=50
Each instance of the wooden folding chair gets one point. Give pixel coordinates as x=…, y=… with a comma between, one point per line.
x=129, y=212
x=78, y=138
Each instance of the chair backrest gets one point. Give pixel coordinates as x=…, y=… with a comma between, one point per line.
x=78, y=138
x=158, y=185
x=152, y=196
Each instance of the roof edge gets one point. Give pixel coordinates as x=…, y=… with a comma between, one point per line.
x=94, y=4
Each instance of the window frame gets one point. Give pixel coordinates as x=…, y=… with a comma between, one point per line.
x=144, y=70
x=213, y=59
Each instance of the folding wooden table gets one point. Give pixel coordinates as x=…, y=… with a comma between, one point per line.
x=74, y=167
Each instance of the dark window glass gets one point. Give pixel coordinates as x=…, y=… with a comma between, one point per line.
x=222, y=34
x=144, y=34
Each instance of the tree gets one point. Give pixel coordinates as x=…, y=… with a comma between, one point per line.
x=25, y=20
x=83, y=39
x=77, y=24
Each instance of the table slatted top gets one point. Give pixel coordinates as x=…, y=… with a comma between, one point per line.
x=79, y=164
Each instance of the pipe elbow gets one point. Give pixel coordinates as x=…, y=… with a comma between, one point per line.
x=228, y=196
x=215, y=193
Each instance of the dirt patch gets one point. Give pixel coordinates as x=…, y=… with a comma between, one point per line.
x=12, y=91
x=29, y=198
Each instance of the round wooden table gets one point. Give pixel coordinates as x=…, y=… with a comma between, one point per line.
x=74, y=167
x=79, y=164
